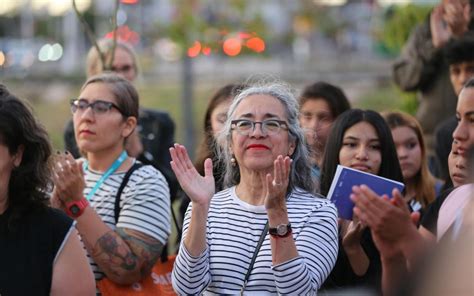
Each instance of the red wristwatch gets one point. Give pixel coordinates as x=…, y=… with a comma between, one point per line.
x=74, y=209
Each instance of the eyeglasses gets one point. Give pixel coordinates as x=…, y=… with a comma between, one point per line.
x=269, y=127
x=98, y=107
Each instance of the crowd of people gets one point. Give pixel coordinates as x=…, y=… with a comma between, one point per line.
x=254, y=206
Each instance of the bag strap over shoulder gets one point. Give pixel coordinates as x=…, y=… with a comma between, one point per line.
x=130, y=171
x=134, y=167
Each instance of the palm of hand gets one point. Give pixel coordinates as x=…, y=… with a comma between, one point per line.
x=351, y=231
x=439, y=31
x=199, y=189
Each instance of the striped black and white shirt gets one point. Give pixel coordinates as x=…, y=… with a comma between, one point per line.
x=144, y=204
x=233, y=230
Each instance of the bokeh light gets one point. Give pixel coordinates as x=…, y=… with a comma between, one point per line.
x=232, y=46
x=256, y=44
x=194, y=50
x=2, y=58
x=50, y=52
x=206, y=50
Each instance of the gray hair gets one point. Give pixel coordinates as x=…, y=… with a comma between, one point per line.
x=300, y=174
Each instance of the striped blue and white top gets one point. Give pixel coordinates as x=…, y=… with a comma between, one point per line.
x=144, y=204
x=233, y=230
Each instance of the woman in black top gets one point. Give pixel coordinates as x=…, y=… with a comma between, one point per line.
x=362, y=140
x=40, y=252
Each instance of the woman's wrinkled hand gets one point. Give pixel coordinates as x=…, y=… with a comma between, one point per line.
x=199, y=189
x=276, y=186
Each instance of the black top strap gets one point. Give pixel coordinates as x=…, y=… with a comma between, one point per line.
x=257, y=248
x=125, y=179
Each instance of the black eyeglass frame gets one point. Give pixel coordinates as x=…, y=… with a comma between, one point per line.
x=74, y=106
x=281, y=123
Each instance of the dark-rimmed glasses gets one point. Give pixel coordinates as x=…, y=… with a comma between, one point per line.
x=98, y=107
x=269, y=126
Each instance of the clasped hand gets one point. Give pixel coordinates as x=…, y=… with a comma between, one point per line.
x=68, y=178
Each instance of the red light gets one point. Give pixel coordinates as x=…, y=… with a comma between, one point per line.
x=194, y=50
x=244, y=35
x=129, y=1
x=256, y=44
x=232, y=47
x=206, y=50
x=124, y=34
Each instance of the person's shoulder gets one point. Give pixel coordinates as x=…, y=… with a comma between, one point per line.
x=52, y=219
x=58, y=216
x=146, y=171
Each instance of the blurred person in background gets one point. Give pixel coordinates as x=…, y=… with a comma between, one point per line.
x=421, y=188
x=155, y=129
x=320, y=104
x=214, y=120
x=40, y=252
x=459, y=55
x=125, y=248
x=360, y=139
x=268, y=198
x=421, y=66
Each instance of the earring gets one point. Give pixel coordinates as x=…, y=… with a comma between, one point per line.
x=233, y=162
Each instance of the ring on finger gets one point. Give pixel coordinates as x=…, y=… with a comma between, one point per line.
x=275, y=183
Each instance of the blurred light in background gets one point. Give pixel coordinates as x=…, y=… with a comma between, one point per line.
x=256, y=44
x=167, y=50
x=206, y=50
x=2, y=58
x=194, y=50
x=124, y=34
x=331, y=2
x=7, y=6
x=129, y=1
x=58, y=7
x=50, y=52
x=232, y=46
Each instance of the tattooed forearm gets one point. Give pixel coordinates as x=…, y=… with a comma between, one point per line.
x=125, y=255
x=147, y=249
x=115, y=257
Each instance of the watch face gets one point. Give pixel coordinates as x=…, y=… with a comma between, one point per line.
x=282, y=229
x=75, y=209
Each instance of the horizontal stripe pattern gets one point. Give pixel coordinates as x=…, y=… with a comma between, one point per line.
x=233, y=230
x=144, y=204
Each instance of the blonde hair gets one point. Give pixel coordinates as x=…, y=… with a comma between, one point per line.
x=94, y=63
x=424, y=180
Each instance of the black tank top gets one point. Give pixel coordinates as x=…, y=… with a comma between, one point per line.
x=28, y=251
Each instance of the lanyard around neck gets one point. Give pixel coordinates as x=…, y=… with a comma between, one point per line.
x=117, y=163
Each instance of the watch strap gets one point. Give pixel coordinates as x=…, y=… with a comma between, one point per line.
x=273, y=231
x=74, y=209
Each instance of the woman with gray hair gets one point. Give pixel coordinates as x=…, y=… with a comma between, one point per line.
x=267, y=232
